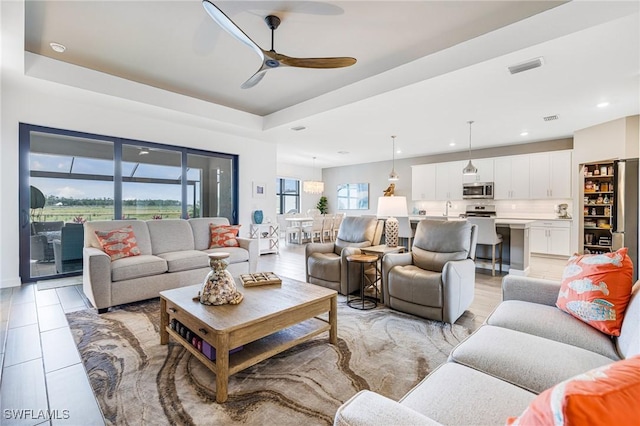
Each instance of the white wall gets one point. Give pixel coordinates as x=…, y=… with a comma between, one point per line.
x=36, y=101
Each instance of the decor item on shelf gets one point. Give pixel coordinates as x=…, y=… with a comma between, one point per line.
x=391, y=207
x=258, y=216
x=390, y=190
x=322, y=205
x=270, y=59
x=393, y=176
x=313, y=186
x=470, y=169
x=218, y=287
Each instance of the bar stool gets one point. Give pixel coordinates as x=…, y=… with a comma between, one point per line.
x=487, y=235
x=365, y=261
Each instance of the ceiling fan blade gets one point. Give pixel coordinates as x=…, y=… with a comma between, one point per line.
x=255, y=79
x=316, y=62
x=228, y=25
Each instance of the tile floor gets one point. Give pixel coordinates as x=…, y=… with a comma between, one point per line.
x=42, y=374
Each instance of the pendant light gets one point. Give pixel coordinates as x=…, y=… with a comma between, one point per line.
x=313, y=186
x=470, y=169
x=393, y=176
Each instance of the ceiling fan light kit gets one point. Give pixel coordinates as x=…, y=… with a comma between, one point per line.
x=270, y=58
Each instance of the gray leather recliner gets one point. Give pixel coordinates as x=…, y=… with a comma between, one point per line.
x=436, y=280
x=325, y=263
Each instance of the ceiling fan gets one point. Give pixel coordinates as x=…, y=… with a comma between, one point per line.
x=270, y=59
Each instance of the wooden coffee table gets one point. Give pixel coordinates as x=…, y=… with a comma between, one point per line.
x=270, y=320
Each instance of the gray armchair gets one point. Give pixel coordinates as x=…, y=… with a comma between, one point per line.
x=436, y=280
x=325, y=263
x=67, y=250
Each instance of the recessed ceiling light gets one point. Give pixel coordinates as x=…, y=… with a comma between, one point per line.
x=57, y=47
x=525, y=133
x=399, y=151
x=603, y=104
x=452, y=144
x=298, y=128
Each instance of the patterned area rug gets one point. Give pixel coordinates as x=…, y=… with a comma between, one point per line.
x=138, y=381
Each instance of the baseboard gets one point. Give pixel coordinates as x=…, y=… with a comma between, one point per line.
x=14, y=282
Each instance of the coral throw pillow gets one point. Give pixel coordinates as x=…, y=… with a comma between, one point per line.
x=596, y=289
x=224, y=235
x=607, y=395
x=119, y=243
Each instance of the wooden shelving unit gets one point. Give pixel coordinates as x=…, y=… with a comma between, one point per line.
x=597, y=207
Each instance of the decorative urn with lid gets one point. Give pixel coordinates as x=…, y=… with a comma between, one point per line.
x=218, y=287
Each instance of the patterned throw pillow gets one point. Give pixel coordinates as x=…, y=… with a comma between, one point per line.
x=223, y=235
x=119, y=243
x=606, y=395
x=596, y=289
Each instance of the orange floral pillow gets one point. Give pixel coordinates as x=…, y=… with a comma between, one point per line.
x=119, y=243
x=224, y=235
x=606, y=395
x=596, y=289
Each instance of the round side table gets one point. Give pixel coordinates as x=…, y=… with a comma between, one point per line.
x=362, y=302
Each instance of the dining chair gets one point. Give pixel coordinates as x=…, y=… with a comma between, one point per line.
x=314, y=229
x=327, y=228
x=405, y=231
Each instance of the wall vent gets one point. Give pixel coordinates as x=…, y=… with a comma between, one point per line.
x=550, y=118
x=526, y=66
x=298, y=128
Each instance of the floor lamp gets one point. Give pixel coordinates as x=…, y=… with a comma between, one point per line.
x=390, y=207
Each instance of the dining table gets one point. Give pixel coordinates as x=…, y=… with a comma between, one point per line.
x=298, y=222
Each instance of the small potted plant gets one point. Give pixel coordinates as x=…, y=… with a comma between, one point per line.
x=322, y=205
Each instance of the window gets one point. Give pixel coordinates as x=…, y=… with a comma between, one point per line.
x=67, y=178
x=288, y=194
x=353, y=196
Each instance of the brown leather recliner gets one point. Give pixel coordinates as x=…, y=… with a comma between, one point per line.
x=326, y=264
x=436, y=280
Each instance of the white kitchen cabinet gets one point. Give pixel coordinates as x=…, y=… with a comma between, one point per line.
x=550, y=237
x=449, y=180
x=423, y=182
x=485, y=171
x=550, y=175
x=511, y=177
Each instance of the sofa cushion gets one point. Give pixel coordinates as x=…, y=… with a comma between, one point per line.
x=184, y=260
x=201, y=231
x=118, y=243
x=136, y=267
x=140, y=229
x=531, y=362
x=236, y=254
x=629, y=341
x=325, y=266
x=597, y=288
x=170, y=235
x=224, y=236
x=551, y=323
x=457, y=395
x=415, y=285
x=607, y=395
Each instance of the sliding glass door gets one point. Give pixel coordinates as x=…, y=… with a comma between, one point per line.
x=68, y=178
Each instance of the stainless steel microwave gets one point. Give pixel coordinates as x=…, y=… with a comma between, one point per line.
x=477, y=190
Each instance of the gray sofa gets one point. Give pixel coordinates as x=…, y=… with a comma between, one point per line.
x=525, y=346
x=174, y=253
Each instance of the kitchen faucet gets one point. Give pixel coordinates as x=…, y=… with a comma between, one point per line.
x=446, y=208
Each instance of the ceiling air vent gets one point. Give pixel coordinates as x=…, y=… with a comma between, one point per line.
x=550, y=118
x=526, y=66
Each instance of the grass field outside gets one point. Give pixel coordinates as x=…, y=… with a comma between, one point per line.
x=91, y=213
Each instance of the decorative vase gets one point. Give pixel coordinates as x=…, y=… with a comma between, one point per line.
x=219, y=288
x=257, y=217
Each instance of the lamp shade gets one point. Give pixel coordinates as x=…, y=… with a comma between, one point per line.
x=392, y=206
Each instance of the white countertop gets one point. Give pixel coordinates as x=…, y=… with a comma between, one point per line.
x=498, y=218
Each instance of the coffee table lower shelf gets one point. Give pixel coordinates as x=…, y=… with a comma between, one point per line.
x=257, y=351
